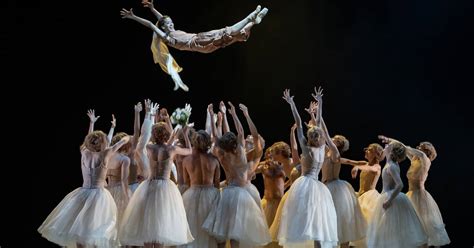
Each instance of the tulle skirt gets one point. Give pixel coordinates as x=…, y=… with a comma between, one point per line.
x=351, y=224
x=270, y=207
x=397, y=226
x=87, y=216
x=367, y=201
x=238, y=217
x=155, y=214
x=198, y=202
x=430, y=217
x=308, y=214
x=133, y=186
x=120, y=200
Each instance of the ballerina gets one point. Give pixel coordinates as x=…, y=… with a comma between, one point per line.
x=308, y=216
x=425, y=206
x=74, y=221
x=395, y=223
x=206, y=42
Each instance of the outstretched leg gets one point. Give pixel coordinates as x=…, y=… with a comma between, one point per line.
x=235, y=29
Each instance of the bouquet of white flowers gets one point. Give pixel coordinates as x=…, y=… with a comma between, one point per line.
x=181, y=115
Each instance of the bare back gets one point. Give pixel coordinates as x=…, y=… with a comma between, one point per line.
x=330, y=169
x=235, y=166
x=115, y=164
x=201, y=169
x=160, y=160
x=179, y=168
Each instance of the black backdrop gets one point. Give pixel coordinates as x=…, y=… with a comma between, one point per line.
x=399, y=68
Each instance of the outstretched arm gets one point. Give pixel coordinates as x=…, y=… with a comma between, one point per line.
x=149, y=4
x=352, y=162
x=210, y=112
x=411, y=152
x=136, y=126
x=257, y=145
x=129, y=15
x=238, y=125
x=92, y=118
x=125, y=173
x=299, y=127
x=312, y=111
x=223, y=110
x=112, y=128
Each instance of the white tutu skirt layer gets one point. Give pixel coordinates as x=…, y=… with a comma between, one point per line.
x=308, y=214
x=397, y=226
x=87, y=216
x=198, y=202
x=238, y=217
x=351, y=224
x=430, y=217
x=120, y=200
x=155, y=214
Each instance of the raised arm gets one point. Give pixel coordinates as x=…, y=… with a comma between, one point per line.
x=299, y=128
x=219, y=124
x=312, y=111
x=136, y=125
x=238, y=125
x=165, y=117
x=318, y=96
x=258, y=146
x=112, y=128
x=140, y=152
x=128, y=14
x=411, y=152
x=92, y=118
x=295, y=156
x=149, y=4
x=210, y=112
x=217, y=175
x=223, y=110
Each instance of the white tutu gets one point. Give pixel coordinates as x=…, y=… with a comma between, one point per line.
x=253, y=191
x=133, y=186
x=87, y=216
x=351, y=224
x=155, y=214
x=308, y=214
x=239, y=218
x=395, y=227
x=430, y=217
x=120, y=200
x=367, y=201
x=198, y=202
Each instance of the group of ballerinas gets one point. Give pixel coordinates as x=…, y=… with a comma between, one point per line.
x=131, y=198
x=164, y=35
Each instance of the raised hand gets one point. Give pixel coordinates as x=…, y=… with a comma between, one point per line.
x=210, y=109
x=287, y=97
x=92, y=117
x=114, y=121
x=147, y=4
x=127, y=13
x=147, y=105
x=138, y=107
x=244, y=109
x=219, y=117
x=313, y=108
x=293, y=128
x=154, y=107
x=232, y=108
x=318, y=95
x=222, y=107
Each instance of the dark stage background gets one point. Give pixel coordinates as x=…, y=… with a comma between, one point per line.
x=399, y=68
